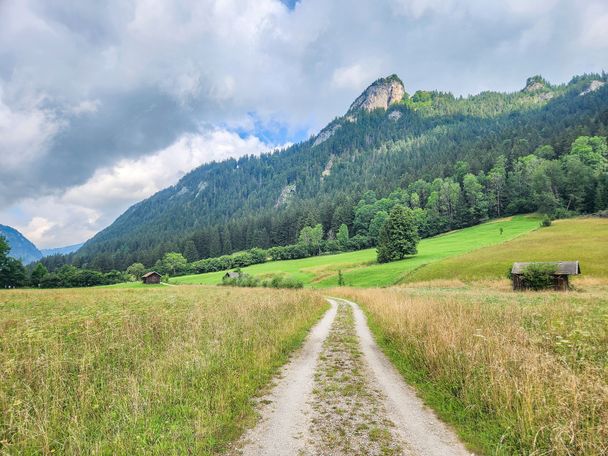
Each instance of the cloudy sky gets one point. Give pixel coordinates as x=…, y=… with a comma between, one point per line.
x=104, y=103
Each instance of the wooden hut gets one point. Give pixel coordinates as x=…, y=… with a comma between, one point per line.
x=150, y=278
x=563, y=270
x=232, y=275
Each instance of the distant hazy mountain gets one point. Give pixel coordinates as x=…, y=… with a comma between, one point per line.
x=21, y=248
x=61, y=250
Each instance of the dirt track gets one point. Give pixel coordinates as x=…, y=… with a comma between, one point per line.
x=339, y=395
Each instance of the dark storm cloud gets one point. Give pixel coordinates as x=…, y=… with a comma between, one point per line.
x=123, y=126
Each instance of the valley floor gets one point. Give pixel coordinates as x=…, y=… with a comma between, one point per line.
x=177, y=370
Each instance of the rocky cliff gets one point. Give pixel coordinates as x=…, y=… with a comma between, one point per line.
x=381, y=94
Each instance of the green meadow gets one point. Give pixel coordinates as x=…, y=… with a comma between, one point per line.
x=161, y=370
x=582, y=239
x=360, y=268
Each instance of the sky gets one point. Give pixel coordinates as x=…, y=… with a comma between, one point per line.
x=104, y=103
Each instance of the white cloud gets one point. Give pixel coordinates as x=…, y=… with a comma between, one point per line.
x=24, y=134
x=129, y=181
x=78, y=213
x=353, y=77
x=595, y=31
x=86, y=107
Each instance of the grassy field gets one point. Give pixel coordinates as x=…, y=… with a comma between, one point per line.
x=162, y=370
x=515, y=373
x=360, y=268
x=583, y=239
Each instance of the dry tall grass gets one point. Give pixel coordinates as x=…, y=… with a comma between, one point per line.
x=163, y=370
x=516, y=373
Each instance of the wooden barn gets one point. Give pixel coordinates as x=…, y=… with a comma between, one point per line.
x=563, y=270
x=150, y=278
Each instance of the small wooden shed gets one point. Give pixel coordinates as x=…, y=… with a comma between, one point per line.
x=151, y=277
x=563, y=270
x=232, y=275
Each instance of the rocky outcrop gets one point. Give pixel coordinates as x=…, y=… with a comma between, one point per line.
x=592, y=87
x=534, y=84
x=394, y=115
x=286, y=194
x=325, y=134
x=380, y=95
x=327, y=171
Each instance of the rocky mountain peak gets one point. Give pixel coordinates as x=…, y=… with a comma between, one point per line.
x=535, y=83
x=593, y=86
x=381, y=94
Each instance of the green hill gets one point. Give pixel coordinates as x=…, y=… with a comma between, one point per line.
x=459, y=159
x=360, y=268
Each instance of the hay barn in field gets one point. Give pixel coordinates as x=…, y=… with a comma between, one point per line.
x=150, y=278
x=563, y=270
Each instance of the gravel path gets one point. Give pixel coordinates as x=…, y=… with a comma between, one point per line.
x=340, y=395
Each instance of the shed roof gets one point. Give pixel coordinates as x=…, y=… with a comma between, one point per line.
x=562, y=267
x=151, y=273
x=232, y=275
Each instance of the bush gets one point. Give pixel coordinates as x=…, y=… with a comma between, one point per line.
x=289, y=252
x=243, y=280
x=539, y=276
x=561, y=213
x=247, y=280
x=359, y=242
x=283, y=282
x=546, y=221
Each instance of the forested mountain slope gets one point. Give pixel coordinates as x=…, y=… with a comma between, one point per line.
x=21, y=247
x=388, y=140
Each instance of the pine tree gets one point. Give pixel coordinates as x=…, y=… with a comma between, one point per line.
x=343, y=236
x=399, y=235
x=215, y=247
x=38, y=273
x=226, y=241
x=190, y=251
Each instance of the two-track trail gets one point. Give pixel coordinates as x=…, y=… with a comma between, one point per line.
x=340, y=395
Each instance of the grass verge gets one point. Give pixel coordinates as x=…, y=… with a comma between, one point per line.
x=167, y=370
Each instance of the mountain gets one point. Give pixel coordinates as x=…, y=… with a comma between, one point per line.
x=380, y=95
x=21, y=247
x=61, y=250
x=387, y=140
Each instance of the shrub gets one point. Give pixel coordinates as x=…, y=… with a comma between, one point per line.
x=546, y=221
x=243, y=280
x=283, y=282
x=538, y=276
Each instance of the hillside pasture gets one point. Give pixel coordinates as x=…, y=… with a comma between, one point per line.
x=162, y=370
x=360, y=268
x=583, y=239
